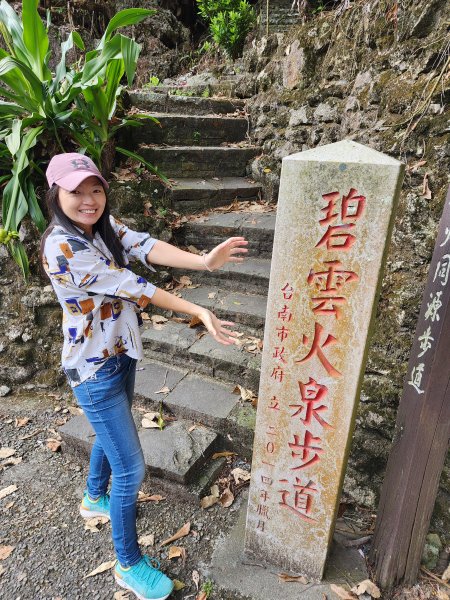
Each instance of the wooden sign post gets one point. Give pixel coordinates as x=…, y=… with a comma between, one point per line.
x=422, y=431
x=334, y=219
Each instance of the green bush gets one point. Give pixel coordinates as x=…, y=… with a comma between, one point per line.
x=43, y=112
x=229, y=22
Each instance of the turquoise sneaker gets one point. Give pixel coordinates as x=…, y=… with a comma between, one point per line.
x=144, y=580
x=94, y=508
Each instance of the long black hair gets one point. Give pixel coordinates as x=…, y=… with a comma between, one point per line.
x=102, y=226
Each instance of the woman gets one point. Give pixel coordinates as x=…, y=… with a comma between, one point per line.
x=85, y=253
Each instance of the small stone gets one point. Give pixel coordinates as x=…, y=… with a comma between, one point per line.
x=26, y=337
x=4, y=390
x=299, y=117
x=325, y=113
x=431, y=551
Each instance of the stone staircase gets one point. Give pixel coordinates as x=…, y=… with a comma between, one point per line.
x=199, y=373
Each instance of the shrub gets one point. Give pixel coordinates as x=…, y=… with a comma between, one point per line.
x=43, y=112
x=229, y=22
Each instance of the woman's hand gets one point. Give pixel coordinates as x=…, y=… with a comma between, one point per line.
x=216, y=327
x=227, y=251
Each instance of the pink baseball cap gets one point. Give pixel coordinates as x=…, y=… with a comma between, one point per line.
x=70, y=169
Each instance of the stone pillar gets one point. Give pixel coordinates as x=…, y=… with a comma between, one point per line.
x=335, y=215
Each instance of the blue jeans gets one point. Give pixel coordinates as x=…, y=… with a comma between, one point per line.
x=106, y=400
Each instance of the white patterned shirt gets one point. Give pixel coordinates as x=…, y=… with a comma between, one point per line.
x=101, y=302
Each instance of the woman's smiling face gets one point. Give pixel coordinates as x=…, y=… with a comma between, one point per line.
x=85, y=204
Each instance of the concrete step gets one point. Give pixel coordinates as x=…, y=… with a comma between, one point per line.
x=177, y=456
x=213, y=228
x=199, y=399
x=190, y=195
x=252, y=275
x=193, y=105
x=197, y=161
x=248, y=310
x=190, y=130
x=179, y=346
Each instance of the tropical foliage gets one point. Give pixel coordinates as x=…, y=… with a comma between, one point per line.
x=43, y=112
x=229, y=22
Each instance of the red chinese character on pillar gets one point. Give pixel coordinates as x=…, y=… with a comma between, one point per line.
x=274, y=403
x=328, y=283
x=285, y=314
x=316, y=349
x=282, y=333
x=312, y=393
x=352, y=208
x=266, y=480
x=279, y=354
x=288, y=291
x=277, y=373
x=307, y=451
x=302, y=502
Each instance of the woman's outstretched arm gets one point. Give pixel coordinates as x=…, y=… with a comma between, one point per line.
x=215, y=326
x=171, y=256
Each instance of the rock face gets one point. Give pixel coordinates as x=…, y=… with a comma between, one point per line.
x=363, y=79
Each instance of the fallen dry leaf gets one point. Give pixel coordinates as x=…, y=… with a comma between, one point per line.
x=6, y=452
x=366, y=586
x=149, y=424
x=101, y=568
x=95, y=524
x=221, y=454
x=192, y=427
x=212, y=295
x=226, y=498
x=22, y=422
x=7, y=491
x=185, y=280
x=240, y=475
x=75, y=410
x=209, y=501
x=158, y=319
x=53, y=445
x=5, y=551
x=147, y=540
x=196, y=578
x=177, y=552
x=164, y=390
x=446, y=574
x=121, y=595
x=426, y=192
x=195, y=321
x=150, y=497
x=201, y=596
x=194, y=250
x=179, y=534
x=441, y=595
x=246, y=395
x=178, y=585
x=292, y=578
x=342, y=593
x=12, y=461
x=30, y=435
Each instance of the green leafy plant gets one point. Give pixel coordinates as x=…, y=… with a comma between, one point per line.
x=43, y=112
x=208, y=587
x=229, y=22
x=154, y=82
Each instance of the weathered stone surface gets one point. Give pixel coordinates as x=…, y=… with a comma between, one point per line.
x=152, y=377
x=174, y=453
x=335, y=213
x=231, y=572
x=293, y=66
x=155, y=102
x=203, y=398
x=253, y=273
x=193, y=161
x=192, y=130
